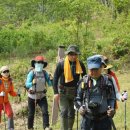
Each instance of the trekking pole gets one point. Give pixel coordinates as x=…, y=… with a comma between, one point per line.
x=125, y=96
x=77, y=119
x=4, y=113
x=35, y=105
x=125, y=116
x=22, y=108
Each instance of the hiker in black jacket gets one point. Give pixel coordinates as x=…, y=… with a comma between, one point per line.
x=66, y=77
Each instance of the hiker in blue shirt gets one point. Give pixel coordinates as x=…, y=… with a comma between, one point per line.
x=36, y=85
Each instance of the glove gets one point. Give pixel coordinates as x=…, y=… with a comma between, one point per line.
x=82, y=110
x=34, y=81
x=2, y=94
x=124, y=95
x=19, y=93
x=50, y=76
x=110, y=112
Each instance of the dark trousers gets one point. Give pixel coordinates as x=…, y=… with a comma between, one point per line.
x=88, y=124
x=67, y=106
x=44, y=108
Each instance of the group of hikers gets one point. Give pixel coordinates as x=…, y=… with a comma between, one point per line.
x=94, y=94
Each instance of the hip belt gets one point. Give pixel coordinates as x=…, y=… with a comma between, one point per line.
x=97, y=117
x=67, y=90
x=37, y=92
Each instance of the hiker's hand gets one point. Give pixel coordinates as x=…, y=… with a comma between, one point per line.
x=34, y=81
x=56, y=96
x=124, y=96
x=50, y=76
x=110, y=111
x=82, y=110
x=2, y=94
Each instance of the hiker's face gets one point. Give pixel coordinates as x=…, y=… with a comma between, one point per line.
x=95, y=73
x=105, y=71
x=5, y=73
x=72, y=56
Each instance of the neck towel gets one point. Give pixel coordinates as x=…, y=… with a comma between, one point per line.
x=67, y=70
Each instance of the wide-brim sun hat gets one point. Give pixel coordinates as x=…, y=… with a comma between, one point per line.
x=109, y=66
x=4, y=68
x=73, y=49
x=39, y=58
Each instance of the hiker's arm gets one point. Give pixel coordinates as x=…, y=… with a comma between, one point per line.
x=83, y=69
x=29, y=80
x=47, y=77
x=118, y=94
x=12, y=92
x=79, y=97
x=111, y=95
x=57, y=74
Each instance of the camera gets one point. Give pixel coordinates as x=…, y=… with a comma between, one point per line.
x=93, y=105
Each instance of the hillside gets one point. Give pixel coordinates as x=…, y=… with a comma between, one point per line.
x=38, y=27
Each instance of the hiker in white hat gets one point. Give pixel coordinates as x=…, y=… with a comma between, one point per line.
x=6, y=87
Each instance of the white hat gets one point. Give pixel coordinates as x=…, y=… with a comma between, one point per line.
x=3, y=68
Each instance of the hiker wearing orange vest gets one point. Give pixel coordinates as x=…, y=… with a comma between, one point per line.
x=6, y=87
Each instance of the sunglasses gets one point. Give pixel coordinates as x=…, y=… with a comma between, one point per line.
x=39, y=62
x=6, y=71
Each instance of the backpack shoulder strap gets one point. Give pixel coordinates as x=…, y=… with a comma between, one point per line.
x=85, y=81
x=106, y=83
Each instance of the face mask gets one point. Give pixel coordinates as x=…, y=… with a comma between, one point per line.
x=39, y=67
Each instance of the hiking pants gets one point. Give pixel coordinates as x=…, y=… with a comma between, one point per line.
x=88, y=124
x=6, y=107
x=44, y=108
x=67, y=111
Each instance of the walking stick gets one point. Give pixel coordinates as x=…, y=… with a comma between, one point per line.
x=125, y=116
x=35, y=105
x=4, y=113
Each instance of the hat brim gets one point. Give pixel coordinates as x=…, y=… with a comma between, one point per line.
x=33, y=63
x=94, y=66
x=67, y=52
x=108, y=67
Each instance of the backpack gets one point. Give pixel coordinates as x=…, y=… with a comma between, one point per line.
x=105, y=86
x=32, y=69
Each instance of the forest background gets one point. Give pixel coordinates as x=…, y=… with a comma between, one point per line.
x=37, y=27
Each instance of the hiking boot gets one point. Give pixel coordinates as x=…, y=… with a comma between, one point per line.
x=48, y=128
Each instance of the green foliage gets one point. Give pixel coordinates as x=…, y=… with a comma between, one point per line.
x=122, y=5
x=120, y=48
x=40, y=26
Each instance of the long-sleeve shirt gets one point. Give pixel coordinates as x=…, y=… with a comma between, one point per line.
x=59, y=75
x=6, y=86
